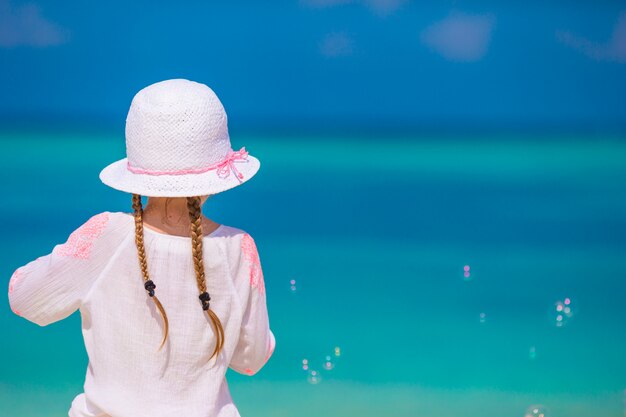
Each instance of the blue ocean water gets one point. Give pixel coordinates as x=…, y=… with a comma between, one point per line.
x=376, y=233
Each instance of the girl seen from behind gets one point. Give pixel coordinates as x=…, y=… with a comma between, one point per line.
x=169, y=299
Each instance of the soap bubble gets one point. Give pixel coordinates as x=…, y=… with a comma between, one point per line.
x=328, y=363
x=482, y=317
x=305, y=364
x=562, y=311
x=466, y=273
x=292, y=285
x=313, y=377
x=536, y=411
x=337, y=351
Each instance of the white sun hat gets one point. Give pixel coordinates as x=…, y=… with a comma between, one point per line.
x=177, y=144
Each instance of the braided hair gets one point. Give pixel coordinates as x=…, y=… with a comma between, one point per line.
x=195, y=217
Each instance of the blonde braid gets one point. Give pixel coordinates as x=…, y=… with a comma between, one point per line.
x=148, y=284
x=195, y=217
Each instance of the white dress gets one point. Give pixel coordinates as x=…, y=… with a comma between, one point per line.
x=97, y=271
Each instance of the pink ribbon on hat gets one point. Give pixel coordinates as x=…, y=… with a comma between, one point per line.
x=223, y=167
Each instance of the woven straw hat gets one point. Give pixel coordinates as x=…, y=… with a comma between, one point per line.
x=177, y=144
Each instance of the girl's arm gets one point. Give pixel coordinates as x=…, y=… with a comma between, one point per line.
x=256, y=341
x=53, y=286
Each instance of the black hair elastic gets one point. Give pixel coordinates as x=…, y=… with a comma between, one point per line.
x=150, y=286
x=204, y=297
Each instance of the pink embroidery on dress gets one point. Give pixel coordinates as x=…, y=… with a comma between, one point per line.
x=252, y=255
x=16, y=275
x=248, y=371
x=81, y=240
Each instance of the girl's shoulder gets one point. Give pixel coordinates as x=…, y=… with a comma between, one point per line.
x=120, y=218
x=100, y=224
x=238, y=242
x=231, y=231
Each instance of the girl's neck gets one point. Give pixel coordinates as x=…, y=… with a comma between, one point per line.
x=171, y=216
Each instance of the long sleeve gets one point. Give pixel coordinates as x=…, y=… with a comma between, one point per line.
x=53, y=286
x=256, y=341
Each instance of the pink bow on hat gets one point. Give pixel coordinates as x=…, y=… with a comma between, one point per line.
x=225, y=165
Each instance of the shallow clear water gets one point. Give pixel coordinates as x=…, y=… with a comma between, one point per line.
x=376, y=234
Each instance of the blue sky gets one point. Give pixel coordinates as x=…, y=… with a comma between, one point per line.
x=323, y=64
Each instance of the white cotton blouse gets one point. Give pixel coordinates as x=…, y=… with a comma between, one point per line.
x=97, y=271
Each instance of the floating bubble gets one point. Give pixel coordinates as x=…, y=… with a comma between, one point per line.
x=292, y=285
x=532, y=352
x=328, y=363
x=536, y=411
x=482, y=317
x=466, y=273
x=559, y=320
x=305, y=364
x=313, y=377
x=562, y=311
x=337, y=351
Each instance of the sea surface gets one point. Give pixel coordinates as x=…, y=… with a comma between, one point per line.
x=438, y=266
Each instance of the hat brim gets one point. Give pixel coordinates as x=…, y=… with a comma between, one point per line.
x=117, y=176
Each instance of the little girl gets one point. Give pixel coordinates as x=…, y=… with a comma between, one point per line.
x=169, y=300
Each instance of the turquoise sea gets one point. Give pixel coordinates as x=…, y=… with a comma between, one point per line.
x=377, y=233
